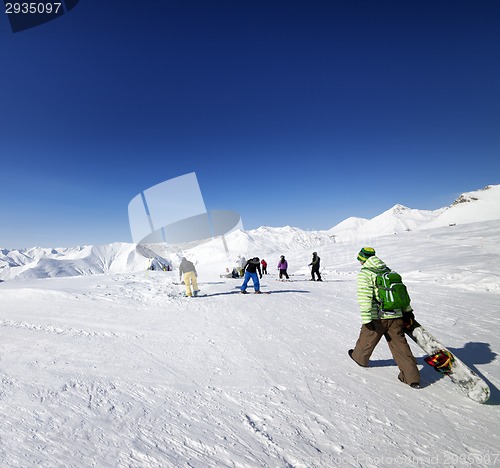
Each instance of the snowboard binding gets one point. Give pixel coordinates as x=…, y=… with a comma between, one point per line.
x=441, y=361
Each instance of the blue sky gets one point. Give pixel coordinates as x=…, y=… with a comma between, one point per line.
x=290, y=113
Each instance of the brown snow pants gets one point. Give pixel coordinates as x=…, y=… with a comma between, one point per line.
x=392, y=330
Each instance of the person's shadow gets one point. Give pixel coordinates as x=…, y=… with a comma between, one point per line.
x=237, y=291
x=471, y=354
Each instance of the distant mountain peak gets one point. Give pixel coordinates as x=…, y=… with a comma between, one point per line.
x=398, y=208
x=469, y=197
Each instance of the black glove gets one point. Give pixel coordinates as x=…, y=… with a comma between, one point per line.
x=370, y=326
x=260, y=276
x=408, y=319
x=408, y=316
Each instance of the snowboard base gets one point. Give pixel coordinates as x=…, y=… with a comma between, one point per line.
x=262, y=292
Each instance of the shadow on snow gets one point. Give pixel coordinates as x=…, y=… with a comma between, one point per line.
x=471, y=354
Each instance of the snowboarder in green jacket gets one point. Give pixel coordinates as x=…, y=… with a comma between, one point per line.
x=377, y=323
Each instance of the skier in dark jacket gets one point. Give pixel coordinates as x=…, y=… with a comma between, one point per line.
x=251, y=268
x=315, y=267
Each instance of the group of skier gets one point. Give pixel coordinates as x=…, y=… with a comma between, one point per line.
x=252, y=271
x=376, y=322
x=315, y=264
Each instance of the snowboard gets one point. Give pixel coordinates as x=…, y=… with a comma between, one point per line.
x=262, y=292
x=183, y=294
x=446, y=363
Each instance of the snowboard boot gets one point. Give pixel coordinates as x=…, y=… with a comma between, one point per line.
x=415, y=385
x=350, y=355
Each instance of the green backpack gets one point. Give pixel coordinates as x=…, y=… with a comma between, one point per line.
x=392, y=292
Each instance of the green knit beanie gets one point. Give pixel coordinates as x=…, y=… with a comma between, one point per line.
x=365, y=253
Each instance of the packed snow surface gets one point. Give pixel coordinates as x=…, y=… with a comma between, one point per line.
x=114, y=367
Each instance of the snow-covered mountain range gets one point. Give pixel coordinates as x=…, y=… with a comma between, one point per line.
x=36, y=262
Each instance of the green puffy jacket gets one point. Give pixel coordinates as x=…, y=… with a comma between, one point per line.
x=368, y=297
